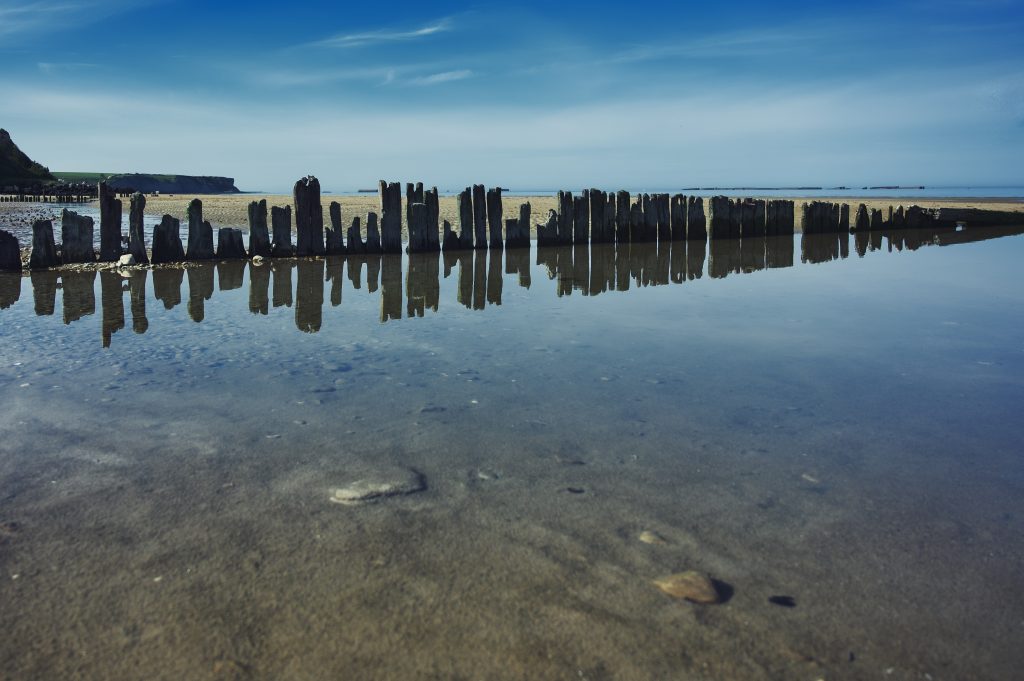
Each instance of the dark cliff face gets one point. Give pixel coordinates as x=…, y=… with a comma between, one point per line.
x=173, y=184
x=16, y=168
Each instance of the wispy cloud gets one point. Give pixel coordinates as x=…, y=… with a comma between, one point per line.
x=56, y=67
x=27, y=18
x=443, y=77
x=385, y=36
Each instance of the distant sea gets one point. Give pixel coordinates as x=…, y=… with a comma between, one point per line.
x=916, y=192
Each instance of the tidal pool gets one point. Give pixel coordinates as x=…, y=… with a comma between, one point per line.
x=829, y=427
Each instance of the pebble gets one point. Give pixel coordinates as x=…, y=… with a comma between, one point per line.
x=363, y=491
x=689, y=585
x=649, y=537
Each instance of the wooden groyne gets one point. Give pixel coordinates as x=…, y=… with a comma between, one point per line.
x=592, y=217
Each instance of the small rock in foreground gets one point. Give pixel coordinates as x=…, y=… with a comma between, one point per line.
x=364, y=491
x=689, y=585
x=649, y=537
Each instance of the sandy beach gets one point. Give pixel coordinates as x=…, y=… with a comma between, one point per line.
x=232, y=211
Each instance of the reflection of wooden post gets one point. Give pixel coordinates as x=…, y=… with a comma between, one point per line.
x=495, y=283
x=111, y=305
x=422, y=285
x=259, y=288
x=137, y=300
x=309, y=296
x=44, y=291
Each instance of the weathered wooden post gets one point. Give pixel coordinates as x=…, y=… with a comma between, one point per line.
x=391, y=218
x=44, y=250
x=844, y=218
x=10, y=252
x=335, y=234
x=355, y=238
x=863, y=222
x=622, y=206
x=494, y=216
x=760, y=218
x=259, y=236
x=281, y=224
x=466, y=228
x=76, y=232
x=433, y=220
x=662, y=211
x=899, y=220
x=309, y=217
x=451, y=241
x=637, y=228
x=418, y=228
x=696, y=224
x=747, y=228
x=229, y=244
x=721, y=215
x=581, y=218
x=374, y=246
x=598, y=201
x=677, y=217
x=167, y=242
x=564, y=224
x=548, y=234
x=200, y=233
x=136, y=229
x=110, y=224
x=480, y=215
x=876, y=219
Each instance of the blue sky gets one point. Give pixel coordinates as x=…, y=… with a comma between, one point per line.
x=533, y=95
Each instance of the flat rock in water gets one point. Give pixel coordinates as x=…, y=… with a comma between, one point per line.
x=369, y=489
x=689, y=585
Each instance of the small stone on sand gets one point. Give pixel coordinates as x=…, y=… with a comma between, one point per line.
x=363, y=491
x=649, y=537
x=690, y=585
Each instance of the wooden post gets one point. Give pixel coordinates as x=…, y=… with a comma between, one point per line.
x=110, y=224
x=494, y=216
x=480, y=215
x=44, y=250
x=167, y=242
x=281, y=224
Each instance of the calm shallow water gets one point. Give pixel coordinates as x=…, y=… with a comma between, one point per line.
x=792, y=418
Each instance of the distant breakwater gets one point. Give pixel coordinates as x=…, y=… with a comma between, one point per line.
x=592, y=217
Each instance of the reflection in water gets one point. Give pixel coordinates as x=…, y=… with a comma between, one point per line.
x=259, y=289
x=282, y=270
x=167, y=286
x=10, y=289
x=309, y=296
x=200, y=289
x=137, y=293
x=44, y=291
x=391, y=287
x=79, y=295
x=230, y=274
x=334, y=273
x=517, y=261
x=422, y=286
x=590, y=269
x=111, y=305
x=819, y=248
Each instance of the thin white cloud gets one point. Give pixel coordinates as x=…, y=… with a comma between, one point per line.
x=443, y=77
x=385, y=36
x=22, y=19
x=55, y=67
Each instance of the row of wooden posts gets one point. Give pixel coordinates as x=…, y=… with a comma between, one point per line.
x=594, y=217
